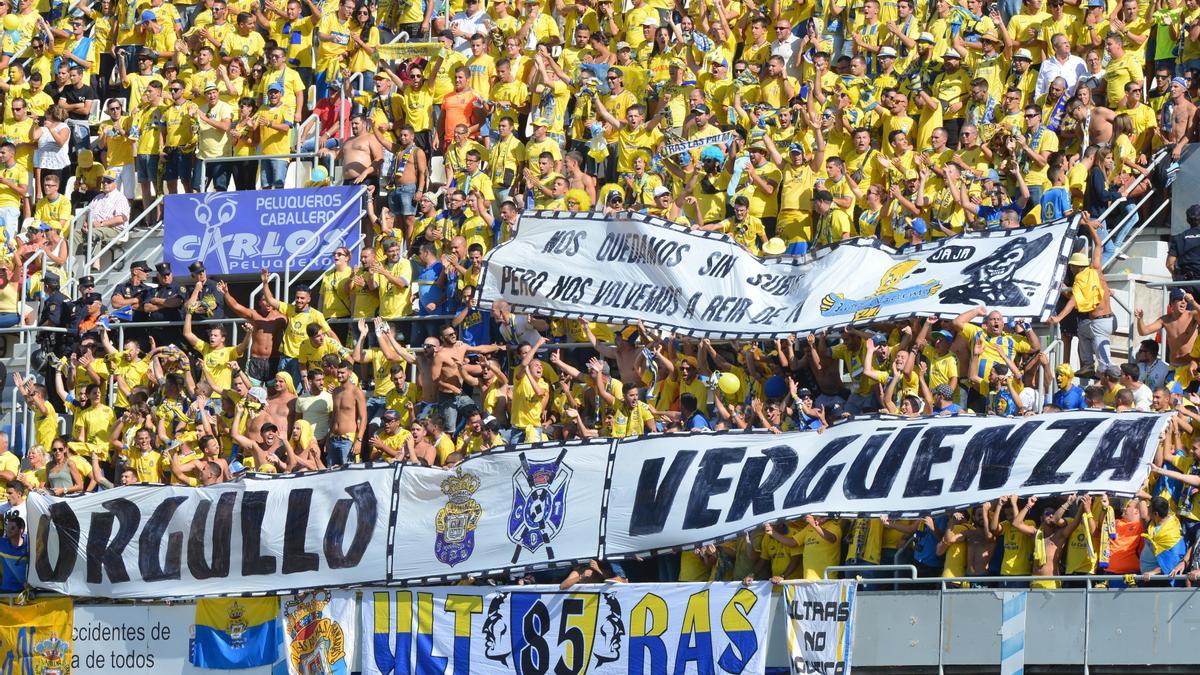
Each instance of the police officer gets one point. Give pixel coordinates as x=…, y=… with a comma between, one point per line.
x=1183, y=252
x=133, y=294
x=56, y=312
x=209, y=301
x=164, y=302
x=83, y=287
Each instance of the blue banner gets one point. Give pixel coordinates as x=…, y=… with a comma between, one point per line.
x=243, y=232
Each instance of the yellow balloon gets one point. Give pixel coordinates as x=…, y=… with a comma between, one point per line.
x=729, y=383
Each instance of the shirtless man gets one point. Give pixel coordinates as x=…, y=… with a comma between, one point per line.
x=264, y=452
x=824, y=367
x=1177, y=126
x=254, y=407
x=981, y=542
x=1098, y=121
x=268, y=326
x=1098, y=324
x=449, y=360
x=1053, y=530
x=409, y=173
x=1180, y=324
x=281, y=403
x=425, y=371
x=349, y=418
x=361, y=154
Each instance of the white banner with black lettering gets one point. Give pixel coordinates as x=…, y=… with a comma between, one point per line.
x=630, y=266
x=502, y=510
x=669, y=492
x=631, y=629
x=260, y=534
x=820, y=626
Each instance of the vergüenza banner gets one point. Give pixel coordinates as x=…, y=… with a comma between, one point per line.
x=256, y=535
x=672, y=492
x=629, y=267
x=242, y=232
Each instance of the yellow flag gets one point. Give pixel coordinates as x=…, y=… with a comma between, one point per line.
x=36, y=638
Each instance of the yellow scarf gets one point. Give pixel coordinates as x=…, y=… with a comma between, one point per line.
x=1108, y=534
x=1087, y=290
x=1039, y=547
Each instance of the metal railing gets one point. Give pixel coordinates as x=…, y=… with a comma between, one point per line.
x=355, y=200
x=1162, y=156
x=17, y=401
x=989, y=584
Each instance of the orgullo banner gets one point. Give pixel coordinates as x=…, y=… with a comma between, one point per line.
x=626, y=629
x=632, y=267
x=532, y=507
x=242, y=232
x=266, y=533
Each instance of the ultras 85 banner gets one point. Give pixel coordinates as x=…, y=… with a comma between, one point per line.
x=261, y=534
x=629, y=267
x=626, y=629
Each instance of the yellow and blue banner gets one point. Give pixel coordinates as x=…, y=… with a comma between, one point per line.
x=621, y=628
x=319, y=632
x=35, y=638
x=236, y=633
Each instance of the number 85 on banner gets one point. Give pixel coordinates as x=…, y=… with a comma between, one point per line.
x=530, y=630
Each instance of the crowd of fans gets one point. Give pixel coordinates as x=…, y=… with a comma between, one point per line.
x=802, y=124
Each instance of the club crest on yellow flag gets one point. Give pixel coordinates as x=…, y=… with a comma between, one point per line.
x=35, y=639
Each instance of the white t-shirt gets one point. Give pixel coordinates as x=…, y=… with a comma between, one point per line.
x=1143, y=397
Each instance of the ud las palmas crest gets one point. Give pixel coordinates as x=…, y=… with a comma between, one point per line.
x=456, y=521
x=318, y=643
x=50, y=656
x=888, y=293
x=237, y=627
x=539, y=504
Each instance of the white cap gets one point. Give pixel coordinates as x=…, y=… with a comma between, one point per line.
x=887, y=51
x=1023, y=54
x=650, y=21
x=926, y=37
x=951, y=54
x=623, y=45
x=660, y=191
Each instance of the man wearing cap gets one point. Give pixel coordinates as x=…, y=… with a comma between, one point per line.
x=214, y=119
x=164, y=300
x=942, y=401
x=951, y=89
x=134, y=293
x=205, y=299
x=274, y=136
x=138, y=82
x=179, y=141
x=1181, y=324
x=1091, y=297
x=1177, y=119
x=762, y=189
x=109, y=213
x=943, y=363
x=56, y=311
